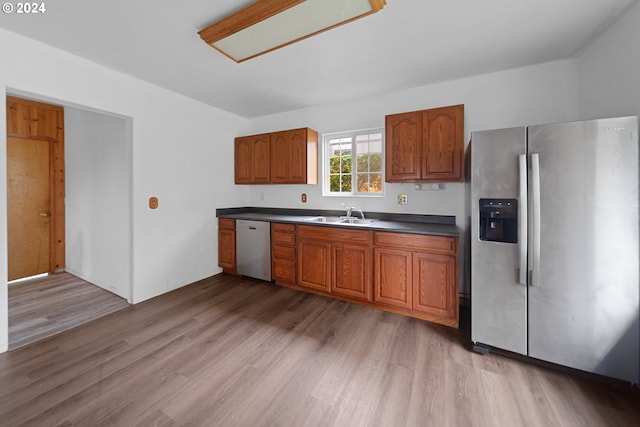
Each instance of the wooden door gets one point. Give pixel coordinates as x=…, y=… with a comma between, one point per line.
x=435, y=287
x=393, y=276
x=443, y=139
x=351, y=271
x=28, y=207
x=314, y=264
x=40, y=127
x=403, y=147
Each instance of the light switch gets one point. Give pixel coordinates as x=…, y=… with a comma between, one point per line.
x=153, y=203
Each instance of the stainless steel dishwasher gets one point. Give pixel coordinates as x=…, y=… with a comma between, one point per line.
x=253, y=249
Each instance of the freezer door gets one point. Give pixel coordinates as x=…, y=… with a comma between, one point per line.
x=498, y=299
x=583, y=293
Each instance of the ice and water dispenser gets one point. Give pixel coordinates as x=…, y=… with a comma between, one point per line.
x=499, y=220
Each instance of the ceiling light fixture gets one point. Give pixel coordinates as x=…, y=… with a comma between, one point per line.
x=267, y=25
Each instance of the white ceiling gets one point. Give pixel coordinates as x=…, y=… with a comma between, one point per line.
x=408, y=43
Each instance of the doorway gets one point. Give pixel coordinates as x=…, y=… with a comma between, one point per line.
x=35, y=188
x=90, y=163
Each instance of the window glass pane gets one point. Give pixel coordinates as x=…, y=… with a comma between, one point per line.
x=363, y=161
x=334, y=182
x=375, y=162
x=345, y=163
x=346, y=183
x=375, y=182
x=354, y=156
x=363, y=182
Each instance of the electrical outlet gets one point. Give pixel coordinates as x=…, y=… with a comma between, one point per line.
x=153, y=203
x=403, y=199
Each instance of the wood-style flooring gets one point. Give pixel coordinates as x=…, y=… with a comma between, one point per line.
x=230, y=351
x=45, y=306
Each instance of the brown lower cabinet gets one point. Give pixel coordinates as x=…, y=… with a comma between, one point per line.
x=227, y=245
x=283, y=252
x=418, y=273
x=411, y=274
x=335, y=260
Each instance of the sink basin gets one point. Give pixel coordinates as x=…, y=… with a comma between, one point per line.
x=336, y=219
x=340, y=220
x=358, y=221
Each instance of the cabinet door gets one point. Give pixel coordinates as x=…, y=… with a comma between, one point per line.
x=243, y=164
x=403, y=147
x=289, y=157
x=251, y=159
x=298, y=156
x=393, y=276
x=227, y=249
x=443, y=143
x=435, y=290
x=280, y=157
x=261, y=162
x=314, y=264
x=351, y=271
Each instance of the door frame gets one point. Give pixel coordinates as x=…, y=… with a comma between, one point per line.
x=42, y=121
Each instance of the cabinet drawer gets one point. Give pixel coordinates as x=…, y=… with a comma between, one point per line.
x=285, y=239
x=283, y=228
x=417, y=241
x=283, y=271
x=283, y=252
x=227, y=223
x=334, y=234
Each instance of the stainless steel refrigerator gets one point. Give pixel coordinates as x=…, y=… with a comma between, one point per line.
x=554, y=244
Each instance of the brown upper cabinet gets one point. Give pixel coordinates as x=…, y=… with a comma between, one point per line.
x=425, y=146
x=285, y=157
x=252, y=159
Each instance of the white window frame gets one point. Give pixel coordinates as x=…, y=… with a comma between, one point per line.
x=326, y=191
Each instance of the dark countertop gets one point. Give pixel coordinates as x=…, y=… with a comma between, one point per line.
x=436, y=225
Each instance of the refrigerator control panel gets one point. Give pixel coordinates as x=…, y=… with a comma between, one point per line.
x=499, y=220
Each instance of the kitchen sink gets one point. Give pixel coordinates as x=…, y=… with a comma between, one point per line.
x=341, y=220
x=360, y=221
x=325, y=219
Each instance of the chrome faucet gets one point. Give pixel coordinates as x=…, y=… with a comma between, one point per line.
x=349, y=209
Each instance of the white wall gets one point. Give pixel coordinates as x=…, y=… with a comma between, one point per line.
x=539, y=94
x=181, y=152
x=610, y=70
x=98, y=199
x=532, y=95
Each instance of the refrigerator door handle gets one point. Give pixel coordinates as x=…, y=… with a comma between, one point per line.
x=535, y=234
x=522, y=221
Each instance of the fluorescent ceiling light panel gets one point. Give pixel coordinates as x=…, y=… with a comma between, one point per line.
x=268, y=24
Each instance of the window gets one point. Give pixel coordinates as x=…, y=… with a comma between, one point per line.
x=353, y=163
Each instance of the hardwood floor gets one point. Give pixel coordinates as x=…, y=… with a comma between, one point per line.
x=230, y=351
x=43, y=307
